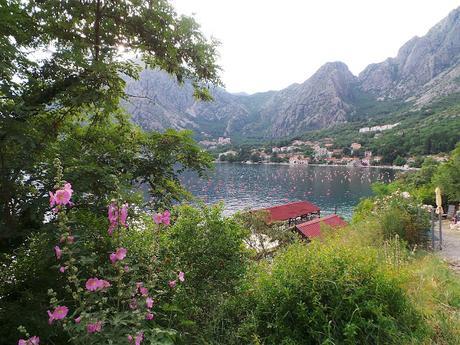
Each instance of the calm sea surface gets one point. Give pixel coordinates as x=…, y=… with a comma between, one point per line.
x=242, y=186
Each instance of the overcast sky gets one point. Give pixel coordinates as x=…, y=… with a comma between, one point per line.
x=270, y=44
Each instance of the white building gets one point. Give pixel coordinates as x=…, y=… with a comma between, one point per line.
x=377, y=128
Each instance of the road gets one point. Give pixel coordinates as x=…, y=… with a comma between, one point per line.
x=451, y=246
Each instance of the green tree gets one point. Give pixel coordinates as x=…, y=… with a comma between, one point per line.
x=447, y=177
x=399, y=161
x=79, y=82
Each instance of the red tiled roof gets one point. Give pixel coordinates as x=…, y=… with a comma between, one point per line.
x=313, y=227
x=291, y=210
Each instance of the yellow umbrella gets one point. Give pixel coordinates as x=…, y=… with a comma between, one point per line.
x=438, y=201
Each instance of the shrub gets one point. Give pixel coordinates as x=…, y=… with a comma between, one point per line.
x=103, y=286
x=395, y=214
x=210, y=248
x=323, y=294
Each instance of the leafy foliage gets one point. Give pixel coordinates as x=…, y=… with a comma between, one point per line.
x=210, y=249
x=63, y=68
x=330, y=293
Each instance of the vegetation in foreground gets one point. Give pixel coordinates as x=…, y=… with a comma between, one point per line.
x=370, y=283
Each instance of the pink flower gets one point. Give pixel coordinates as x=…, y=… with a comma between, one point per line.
x=130, y=338
x=111, y=228
x=57, y=252
x=94, y=327
x=104, y=283
x=31, y=341
x=113, y=258
x=139, y=338
x=149, y=316
x=78, y=319
x=62, y=196
x=181, y=276
x=119, y=255
x=116, y=217
x=113, y=213
x=172, y=284
x=95, y=284
x=149, y=302
x=166, y=217
x=92, y=284
x=124, y=215
x=58, y=313
x=144, y=291
x=133, y=304
x=52, y=199
x=68, y=188
x=62, y=269
x=157, y=218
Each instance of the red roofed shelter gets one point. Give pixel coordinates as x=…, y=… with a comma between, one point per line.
x=291, y=212
x=313, y=227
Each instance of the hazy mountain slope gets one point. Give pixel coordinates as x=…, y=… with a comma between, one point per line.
x=418, y=63
x=425, y=70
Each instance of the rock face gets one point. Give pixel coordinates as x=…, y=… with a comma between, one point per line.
x=425, y=69
x=419, y=62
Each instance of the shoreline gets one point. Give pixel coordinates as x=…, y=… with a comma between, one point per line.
x=392, y=167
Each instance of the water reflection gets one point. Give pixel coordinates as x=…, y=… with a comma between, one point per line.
x=254, y=186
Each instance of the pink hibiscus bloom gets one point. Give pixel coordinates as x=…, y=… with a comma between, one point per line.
x=57, y=252
x=181, y=276
x=119, y=255
x=104, y=283
x=124, y=215
x=92, y=284
x=68, y=188
x=166, y=217
x=78, y=319
x=52, y=199
x=95, y=284
x=172, y=284
x=149, y=316
x=31, y=341
x=116, y=217
x=144, y=291
x=157, y=218
x=133, y=304
x=113, y=213
x=139, y=338
x=62, y=196
x=62, y=269
x=94, y=327
x=58, y=313
x=149, y=302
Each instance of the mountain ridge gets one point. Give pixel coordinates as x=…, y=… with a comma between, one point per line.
x=425, y=69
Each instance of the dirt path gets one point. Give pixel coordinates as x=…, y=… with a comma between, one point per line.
x=451, y=246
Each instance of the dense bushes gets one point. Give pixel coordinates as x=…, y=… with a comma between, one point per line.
x=209, y=248
x=395, y=214
x=325, y=294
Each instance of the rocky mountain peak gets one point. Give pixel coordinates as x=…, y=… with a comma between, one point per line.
x=425, y=69
x=418, y=61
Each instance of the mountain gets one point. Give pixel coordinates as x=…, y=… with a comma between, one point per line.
x=428, y=64
x=425, y=70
